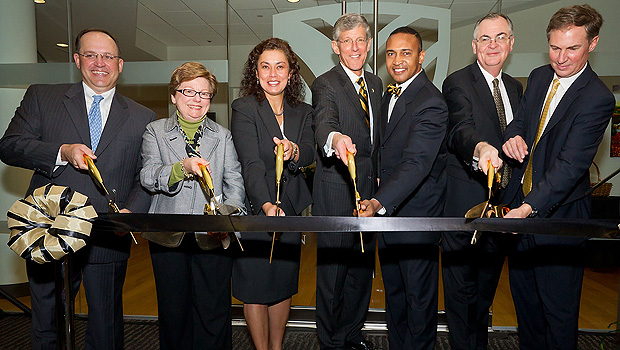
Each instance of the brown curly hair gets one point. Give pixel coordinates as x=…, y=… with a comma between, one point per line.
x=294, y=91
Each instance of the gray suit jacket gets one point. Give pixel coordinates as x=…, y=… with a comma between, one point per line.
x=52, y=115
x=162, y=146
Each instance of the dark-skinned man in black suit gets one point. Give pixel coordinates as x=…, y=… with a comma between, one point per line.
x=481, y=100
x=411, y=162
x=50, y=134
x=555, y=135
x=344, y=121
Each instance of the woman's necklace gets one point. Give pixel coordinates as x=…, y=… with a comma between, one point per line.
x=278, y=114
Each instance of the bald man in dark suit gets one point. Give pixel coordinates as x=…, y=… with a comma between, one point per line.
x=50, y=134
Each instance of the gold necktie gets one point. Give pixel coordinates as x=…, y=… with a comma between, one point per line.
x=527, y=178
x=364, y=98
x=501, y=113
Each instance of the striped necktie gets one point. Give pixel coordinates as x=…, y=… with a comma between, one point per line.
x=501, y=113
x=363, y=94
x=527, y=178
x=95, y=123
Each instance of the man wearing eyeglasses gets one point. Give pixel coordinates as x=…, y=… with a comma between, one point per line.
x=554, y=137
x=346, y=102
x=482, y=100
x=52, y=130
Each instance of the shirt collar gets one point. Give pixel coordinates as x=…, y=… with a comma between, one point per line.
x=88, y=92
x=567, y=82
x=488, y=77
x=407, y=82
x=352, y=76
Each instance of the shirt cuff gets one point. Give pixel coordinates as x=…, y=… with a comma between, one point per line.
x=474, y=163
x=381, y=211
x=329, y=151
x=59, y=161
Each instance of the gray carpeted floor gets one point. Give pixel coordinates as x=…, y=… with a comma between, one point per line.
x=142, y=335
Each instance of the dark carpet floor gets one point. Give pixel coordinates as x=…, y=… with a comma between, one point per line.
x=142, y=334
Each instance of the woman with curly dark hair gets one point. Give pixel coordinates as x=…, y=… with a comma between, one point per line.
x=271, y=111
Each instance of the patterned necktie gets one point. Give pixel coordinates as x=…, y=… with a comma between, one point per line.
x=95, y=122
x=394, y=90
x=527, y=178
x=363, y=94
x=501, y=113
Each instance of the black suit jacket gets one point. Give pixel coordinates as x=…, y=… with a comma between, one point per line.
x=566, y=148
x=52, y=115
x=473, y=119
x=337, y=108
x=411, y=155
x=253, y=127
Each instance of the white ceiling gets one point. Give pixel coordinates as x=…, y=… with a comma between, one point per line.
x=203, y=22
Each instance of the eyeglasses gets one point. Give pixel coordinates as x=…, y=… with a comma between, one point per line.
x=349, y=42
x=500, y=39
x=93, y=56
x=205, y=95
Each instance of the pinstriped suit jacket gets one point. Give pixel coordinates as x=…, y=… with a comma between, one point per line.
x=52, y=115
x=337, y=108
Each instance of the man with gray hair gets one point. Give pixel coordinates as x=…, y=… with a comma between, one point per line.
x=346, y=102
x=481, y=100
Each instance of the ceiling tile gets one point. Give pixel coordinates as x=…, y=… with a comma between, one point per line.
x=177, y=41
x=257, y=16
x=160, y=31
x=176, y=18
x=253, y=4
x=163, y=5
x=146, y=17
x=244, y=40
x=193, y=31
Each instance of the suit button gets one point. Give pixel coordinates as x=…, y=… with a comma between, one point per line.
x=369, y=177
x=284, y=179
x=382, y=170
x=382, y=147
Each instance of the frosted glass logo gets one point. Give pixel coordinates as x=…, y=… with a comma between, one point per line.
x=309, y=33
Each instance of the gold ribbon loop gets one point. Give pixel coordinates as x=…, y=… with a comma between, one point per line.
x=50, y=223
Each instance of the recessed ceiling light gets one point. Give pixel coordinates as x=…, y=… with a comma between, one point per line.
x=39, y=1
x=293, y=1
x=62, y=45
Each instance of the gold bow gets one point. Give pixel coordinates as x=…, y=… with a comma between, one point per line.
x=50, y=223
x=394, y=90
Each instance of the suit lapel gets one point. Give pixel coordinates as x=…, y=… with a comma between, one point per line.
x=351, y=93
x=567, y=99
x=268, y=118
x=486, y=96
x=208, y=145
x=376, y=105
x=400, y=108
x=76, y=107
x=174, y=139
x=513, y=95
x=119, y=113
x=292, y=121
x=541, y=96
